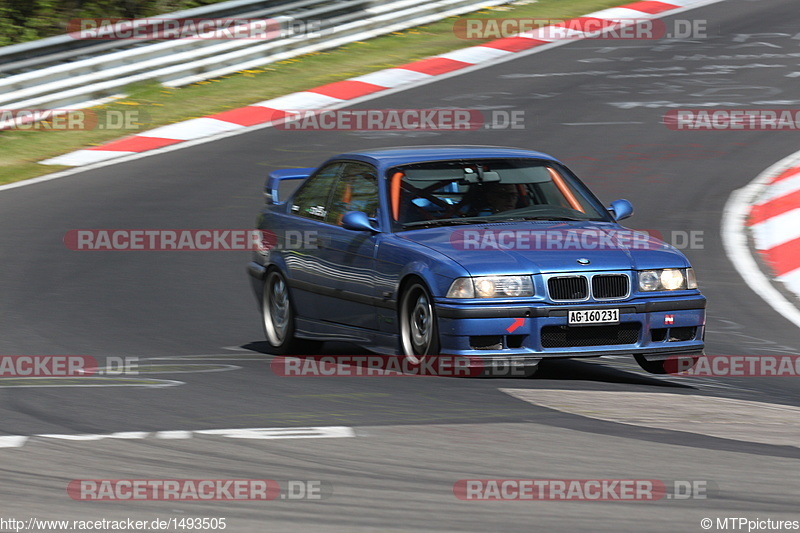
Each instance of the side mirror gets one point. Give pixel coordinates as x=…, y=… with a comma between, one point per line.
x=357, y=221
x=621, y=209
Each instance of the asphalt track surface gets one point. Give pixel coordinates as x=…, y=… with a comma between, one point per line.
x=412, y=438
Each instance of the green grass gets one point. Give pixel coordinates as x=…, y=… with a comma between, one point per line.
x=158, y=106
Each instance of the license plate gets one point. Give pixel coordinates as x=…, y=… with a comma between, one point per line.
x=594, y=316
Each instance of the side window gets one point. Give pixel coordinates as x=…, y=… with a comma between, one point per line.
x=356, y=190
x=311, y=200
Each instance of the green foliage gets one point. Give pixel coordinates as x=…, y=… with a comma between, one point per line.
x=28, y=20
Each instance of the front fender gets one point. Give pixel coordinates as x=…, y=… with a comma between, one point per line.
x=407, y=258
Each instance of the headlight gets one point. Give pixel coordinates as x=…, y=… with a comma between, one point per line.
x=491, y=287
x=691, y=280
x=648, y=280
x=667, y=279
x=672, y=279
x=461, y=288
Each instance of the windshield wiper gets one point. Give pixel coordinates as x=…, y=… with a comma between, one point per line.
x=446, y=222
x=553, y=217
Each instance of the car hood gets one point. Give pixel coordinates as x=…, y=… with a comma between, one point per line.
x=547, y=247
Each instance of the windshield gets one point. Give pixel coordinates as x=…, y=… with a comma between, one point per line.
x=470, y=192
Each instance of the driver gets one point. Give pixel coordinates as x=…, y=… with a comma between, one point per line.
x=501, y=196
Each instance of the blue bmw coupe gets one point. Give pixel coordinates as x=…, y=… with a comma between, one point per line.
x=487, y=252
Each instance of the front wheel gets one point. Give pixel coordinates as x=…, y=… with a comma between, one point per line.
x=277, y=314
x=419, y=334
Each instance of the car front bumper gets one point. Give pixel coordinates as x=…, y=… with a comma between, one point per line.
x=656, y=328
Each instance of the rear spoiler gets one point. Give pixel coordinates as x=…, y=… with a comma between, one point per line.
x=277, y=188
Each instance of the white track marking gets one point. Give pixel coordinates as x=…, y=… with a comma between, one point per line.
x=282, y=433
x=128, y=435
x=476, y=54
x=393, y=77
x=300, y=100
x=213, y=357
x=791, y=280
x=173, y=435
x=192, y=129
x=625, y=14
x=142, y=370
x=321, y=432
x=598, y=123
x=13, y=441
x=79, y=382
x=78, y=157
x=782, y=188
x=777, y=230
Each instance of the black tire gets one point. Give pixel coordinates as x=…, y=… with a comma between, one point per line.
x=667, y=366
x=277, y=318
x=419, y=332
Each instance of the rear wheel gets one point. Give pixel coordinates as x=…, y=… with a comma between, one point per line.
x=419, y=334
x=277, y=314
